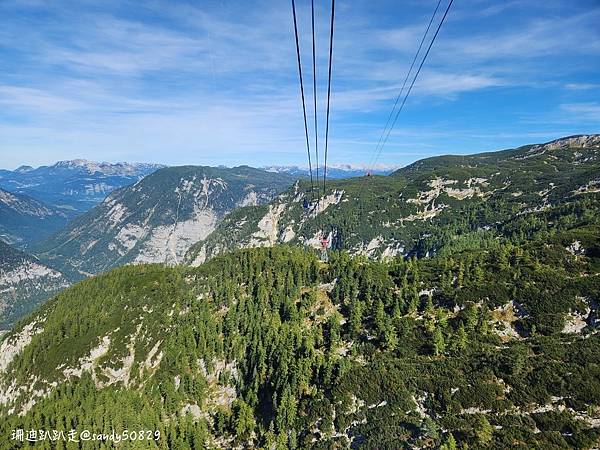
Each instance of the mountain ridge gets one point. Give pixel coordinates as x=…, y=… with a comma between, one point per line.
x=23, y=219
x=483, y=332
x=157, y=218
x=395, y=214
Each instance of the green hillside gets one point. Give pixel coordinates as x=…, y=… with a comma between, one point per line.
x=480, y=349
x=426, y=206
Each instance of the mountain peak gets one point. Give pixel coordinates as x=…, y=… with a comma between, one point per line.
x=158, y=218
x=106, y=168
x=388, y=216
x=73, y=163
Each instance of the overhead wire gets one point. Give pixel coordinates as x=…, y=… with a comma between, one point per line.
x=399, y=96
x=328, y=95
x=316, y=119
x=314, y=61
x=413, y=82
x=303, y=97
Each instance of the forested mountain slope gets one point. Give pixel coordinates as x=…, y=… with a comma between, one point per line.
x=492, y=348
x=24, y=220
x=73, y=186
x=423, y=207
x=24, y=283
x=158, y=218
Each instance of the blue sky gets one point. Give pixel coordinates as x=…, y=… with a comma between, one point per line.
x=215, y=82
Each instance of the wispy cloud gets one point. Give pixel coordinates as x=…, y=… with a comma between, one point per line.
x=583, y=111
x=582, y=86
x=30, y=99
x=217, y=81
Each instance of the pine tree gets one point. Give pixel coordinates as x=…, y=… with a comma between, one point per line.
x=334, y=327
x=470, y=316
x=429, y=310
x=484, y=431
x=413, y=300
x=356, y=314
x=244, y=420
x=460, y=276
x=379, y=317
x=390, y=336
x=439, y=344
x=484, y=316
x=461, y=338
x=450, y=443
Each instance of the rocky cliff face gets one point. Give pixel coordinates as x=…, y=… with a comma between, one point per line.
x=158, y=218
x=24, y=283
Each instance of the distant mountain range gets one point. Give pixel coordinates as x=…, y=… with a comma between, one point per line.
x=335, y=171
x=463, y=311
x=76, y=186
x=73, y=186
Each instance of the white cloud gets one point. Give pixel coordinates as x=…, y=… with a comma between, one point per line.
x=582, y=86
x=31, y=99
x=582, y=111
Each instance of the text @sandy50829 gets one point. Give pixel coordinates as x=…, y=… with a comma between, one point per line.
x=84, y=435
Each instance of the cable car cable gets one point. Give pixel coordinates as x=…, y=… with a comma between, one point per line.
x=414, y=79
x=328, y=94
x=303, y=98
x=314, y=60
x=387, y=123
